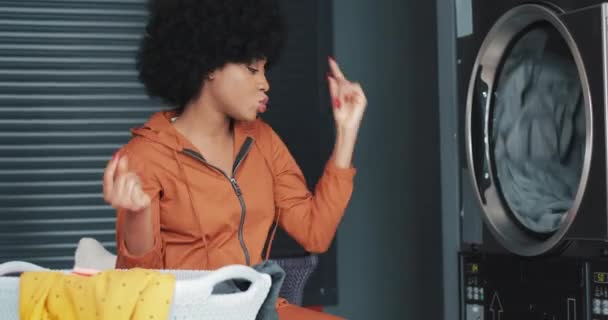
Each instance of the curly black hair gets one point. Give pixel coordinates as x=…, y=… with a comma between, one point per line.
x=186, y=40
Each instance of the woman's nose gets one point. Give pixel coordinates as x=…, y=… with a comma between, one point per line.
x=263, y=84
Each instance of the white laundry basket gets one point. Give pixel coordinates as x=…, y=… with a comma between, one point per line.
x=193, y=296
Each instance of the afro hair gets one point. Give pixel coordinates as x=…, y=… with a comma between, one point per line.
x=186, y=40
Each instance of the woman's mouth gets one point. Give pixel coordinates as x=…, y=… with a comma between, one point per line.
x=263, y=105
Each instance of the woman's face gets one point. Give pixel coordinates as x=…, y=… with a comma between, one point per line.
x=240, y=89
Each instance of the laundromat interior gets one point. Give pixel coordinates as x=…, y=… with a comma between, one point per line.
x=481, y=184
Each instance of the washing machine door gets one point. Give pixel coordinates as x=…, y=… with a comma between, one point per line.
x=528, y=129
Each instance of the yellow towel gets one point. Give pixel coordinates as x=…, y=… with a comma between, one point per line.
x=109, y=295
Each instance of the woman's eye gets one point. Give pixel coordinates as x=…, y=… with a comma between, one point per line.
x=252, y=69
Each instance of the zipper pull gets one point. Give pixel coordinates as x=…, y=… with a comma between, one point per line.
x=235, y=186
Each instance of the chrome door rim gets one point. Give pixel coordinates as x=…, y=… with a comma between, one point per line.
x=510, y=235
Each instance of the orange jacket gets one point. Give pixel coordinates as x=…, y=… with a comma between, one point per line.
x=204, y=218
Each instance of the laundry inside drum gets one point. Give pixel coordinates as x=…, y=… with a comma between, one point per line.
x=537, y=129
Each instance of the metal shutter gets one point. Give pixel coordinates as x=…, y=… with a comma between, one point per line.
x=68, y=96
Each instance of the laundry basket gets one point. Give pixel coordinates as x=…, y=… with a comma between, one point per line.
x=193, y=296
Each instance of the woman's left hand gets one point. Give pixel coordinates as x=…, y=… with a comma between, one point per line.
x=348, y=99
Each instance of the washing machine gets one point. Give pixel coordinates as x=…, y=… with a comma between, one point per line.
x=532, y=85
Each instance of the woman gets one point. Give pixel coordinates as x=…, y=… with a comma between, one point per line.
x=199, y=187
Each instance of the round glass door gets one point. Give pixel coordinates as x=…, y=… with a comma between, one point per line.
x=528, y=124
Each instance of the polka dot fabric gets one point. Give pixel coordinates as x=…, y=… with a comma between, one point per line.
x=137, y=294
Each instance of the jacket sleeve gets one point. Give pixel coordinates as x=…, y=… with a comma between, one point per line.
x=310, y=219
x=153, y=259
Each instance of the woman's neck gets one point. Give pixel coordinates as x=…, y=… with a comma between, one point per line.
x=202, y=122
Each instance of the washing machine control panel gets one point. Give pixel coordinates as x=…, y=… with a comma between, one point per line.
x=598, y=292
x=474, y=291
x=508, y=287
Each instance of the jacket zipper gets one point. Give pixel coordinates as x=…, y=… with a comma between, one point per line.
x=235, y=186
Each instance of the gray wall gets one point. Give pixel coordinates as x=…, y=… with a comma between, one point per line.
x=389, y=244
x=450, y=167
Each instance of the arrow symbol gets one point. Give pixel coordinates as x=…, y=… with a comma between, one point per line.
x=496, y=307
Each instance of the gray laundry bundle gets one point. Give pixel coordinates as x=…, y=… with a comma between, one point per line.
x=538, y=132
x=268, y=309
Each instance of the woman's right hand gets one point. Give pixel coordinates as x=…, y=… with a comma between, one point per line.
x=122, y=188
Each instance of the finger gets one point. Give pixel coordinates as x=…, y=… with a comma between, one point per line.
x=335, y=69
x=359, y=94
x=132, y=197
x=348, y=93
x=349, y=99
x=141, y=198
x=121, y=199
x=333, y=86
x=345, y=93
x=136, y=193
x=117, y=200
x=130, y=186
x=358, y=89
x=123, y=165
x=133, y=185
x=354, y=93
x=108, y=176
